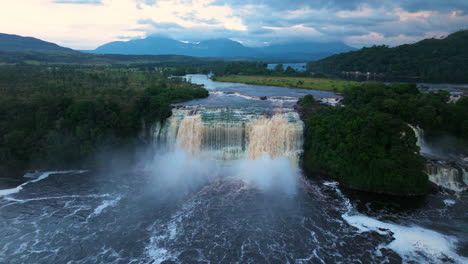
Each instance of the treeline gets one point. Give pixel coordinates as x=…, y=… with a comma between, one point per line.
x=58, y=118
x=74, y=58
x=249, y=68
x=169, y=64
x=368, y=145
x=430, y=60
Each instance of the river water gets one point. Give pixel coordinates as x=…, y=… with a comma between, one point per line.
x=176, y=207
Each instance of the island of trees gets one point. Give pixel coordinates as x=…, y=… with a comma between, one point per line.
x=368, y=145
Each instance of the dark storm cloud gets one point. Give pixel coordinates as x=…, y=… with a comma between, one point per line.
x=270, y=21
x=410, y=5
x=437, y=5
x=297, y=4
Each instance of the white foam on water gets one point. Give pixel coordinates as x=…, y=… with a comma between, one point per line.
x=412, y=243
x=159, y=255
x=12, y=190
x=41, y=177
x=105, y=204
x=167, y=232
x=449, y=202
x=19, y=201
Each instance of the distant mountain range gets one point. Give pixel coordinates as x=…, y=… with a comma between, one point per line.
x=156, y=45
x=223, y=48
x=15, y=43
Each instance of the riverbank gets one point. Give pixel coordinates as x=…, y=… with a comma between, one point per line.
x=292, y=82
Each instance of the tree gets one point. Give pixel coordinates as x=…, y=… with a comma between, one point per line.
x=279, y=67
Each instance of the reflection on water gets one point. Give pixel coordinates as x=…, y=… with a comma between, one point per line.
x=238, y=95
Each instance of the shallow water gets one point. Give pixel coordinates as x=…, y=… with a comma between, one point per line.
x=239, y=95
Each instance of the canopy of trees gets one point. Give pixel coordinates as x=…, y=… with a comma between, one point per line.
x=367, y=144
x=56, y=118
x=430, y=60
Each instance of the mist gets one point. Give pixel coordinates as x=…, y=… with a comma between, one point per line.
x=269, y=174
x=176, y=171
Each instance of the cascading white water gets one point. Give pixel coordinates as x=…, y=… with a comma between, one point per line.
x=423, y=146
x=232, y=134
x=450, y=175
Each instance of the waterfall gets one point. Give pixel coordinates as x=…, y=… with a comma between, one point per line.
x=445, y=172
x=233, y=134
x=274, y=135
x=450, y=176
x=423, y=146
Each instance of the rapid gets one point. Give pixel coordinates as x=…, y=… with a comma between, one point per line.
x=220, y=182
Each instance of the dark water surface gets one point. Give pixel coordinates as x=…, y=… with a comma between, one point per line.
x=128, y=218
x=192, y=211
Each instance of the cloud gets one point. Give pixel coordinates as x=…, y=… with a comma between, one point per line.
x=260, y=31
x=434, y=5
x=79, y=2
x=410, y=5
x=159, y=25
x=86, y=24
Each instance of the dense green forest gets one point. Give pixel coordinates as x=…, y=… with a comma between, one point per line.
x=430, y=60
x=368, y=145
x=172, y=64
x=61, y=117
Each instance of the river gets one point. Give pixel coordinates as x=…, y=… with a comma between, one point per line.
x=203, y=192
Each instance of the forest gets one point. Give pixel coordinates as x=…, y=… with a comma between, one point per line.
x=368, y=145
x=59, y=117
x=429, y=60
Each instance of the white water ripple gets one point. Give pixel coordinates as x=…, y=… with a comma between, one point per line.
x=413, y=243
x=105, y=204
x=6, y=192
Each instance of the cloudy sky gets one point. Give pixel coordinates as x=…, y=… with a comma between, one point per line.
x=86, y=24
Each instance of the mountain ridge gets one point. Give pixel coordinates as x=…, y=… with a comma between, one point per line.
x=222, y=47
x=16, y=43
x=160, y=45
x=434, y=60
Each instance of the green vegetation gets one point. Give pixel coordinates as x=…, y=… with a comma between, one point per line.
x=80, y=58
x=241, y=68
x=430, y=60
x=368, y=145
x=290, y=81
x=427, y=110
x=58, y=118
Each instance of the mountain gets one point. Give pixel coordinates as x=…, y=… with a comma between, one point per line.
x=159, y=45
x=310, y=50
x=148, y=46
x=429, y=60
x=15, y=43
x=222, y=48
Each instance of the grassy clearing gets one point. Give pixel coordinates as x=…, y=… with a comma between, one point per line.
x=293, y=82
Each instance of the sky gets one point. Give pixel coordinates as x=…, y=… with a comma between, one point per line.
x=87, y=24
